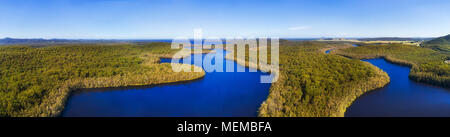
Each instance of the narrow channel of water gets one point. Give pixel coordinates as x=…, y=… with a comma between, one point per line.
x=218, y=94
x=402, y=97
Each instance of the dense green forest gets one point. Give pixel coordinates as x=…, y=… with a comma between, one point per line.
x=441, y=44
x=37, y=81
x=313, y=84
x=427, y=65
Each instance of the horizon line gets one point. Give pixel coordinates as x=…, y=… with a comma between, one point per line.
x=205, y=38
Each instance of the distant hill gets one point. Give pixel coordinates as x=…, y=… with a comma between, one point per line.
x=440, y=44
x=44, y=42
x=40, y=41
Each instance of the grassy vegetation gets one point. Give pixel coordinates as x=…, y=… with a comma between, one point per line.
x=427, y=65
x=37, y=81
x=314, y=84
x=441, y=44
x=263, y=66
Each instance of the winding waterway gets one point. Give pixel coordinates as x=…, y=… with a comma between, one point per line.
x=402, y=97
x=218, y=94
x=240, y=94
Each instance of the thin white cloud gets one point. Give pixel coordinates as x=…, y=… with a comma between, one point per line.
x=299, y=28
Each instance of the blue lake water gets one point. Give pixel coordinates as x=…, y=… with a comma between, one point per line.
x=401, y=97
x=240, y=94
x=218, y=94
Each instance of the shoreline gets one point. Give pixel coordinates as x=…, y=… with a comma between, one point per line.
x=358, y=88
x=72, y=90
x=417, y=72
x=377, y=69
x=412, y=75
x=399, y=76
x=53, y=104
x=104, y=89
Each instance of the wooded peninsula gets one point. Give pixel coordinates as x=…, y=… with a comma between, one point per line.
x=36, y=81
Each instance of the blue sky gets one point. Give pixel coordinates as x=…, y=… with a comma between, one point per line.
x=155, y=19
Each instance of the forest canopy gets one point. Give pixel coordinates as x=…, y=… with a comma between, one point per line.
x=427, y=65
x=37, y=81
x=314, y=84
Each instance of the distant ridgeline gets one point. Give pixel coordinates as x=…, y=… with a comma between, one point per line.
x=45, y=42
x=441, y=44
x=40, y=41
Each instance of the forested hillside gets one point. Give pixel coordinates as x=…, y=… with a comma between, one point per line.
x=440, y=44
x=314, y=84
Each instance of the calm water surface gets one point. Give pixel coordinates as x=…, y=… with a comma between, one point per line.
x=240, y=94
x=217, y=94
x=401, y=97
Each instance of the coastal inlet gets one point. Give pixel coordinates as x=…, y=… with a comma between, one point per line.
x=218, y=94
